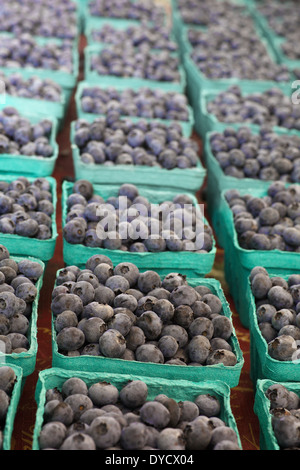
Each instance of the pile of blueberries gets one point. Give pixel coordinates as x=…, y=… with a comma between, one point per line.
x=271, y=107
x=19, y=136
x=132, y=62
x=270, y=222
x=113, y=141
x=53, y=18
x=155, y=36
x=100, y=416
x=130, y=222
x=8, y=379
x=277, y=304
x=145, y=103
x=266, y=155
x=34, y=87
x=120, y=312
x=139, y=10
x=285, y=410
x=225, y=51
x=18, y=292
x=25, y=50
x=26, y=208
x=208, y=12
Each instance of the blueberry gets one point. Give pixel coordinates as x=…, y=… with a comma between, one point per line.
x=103, y=393
x=52, y=435
x=70, y=339
x=112, y=343
x=105, y=431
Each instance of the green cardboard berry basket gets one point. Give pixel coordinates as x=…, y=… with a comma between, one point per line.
x=218, y=181
x=187, y=126
x=31, y=166
x=44, y=108
x=25, y=246
x=65, y=79
x=13, y=406
x=189, y=179
x=55, y=377
x=89, y=18
x=230, y=375
x=263, y=366
x=239, y=262
x=206, y=122
x=130, y=82
x=193, y=264
x=96, y=24
x=261, y=408
x=27, y=360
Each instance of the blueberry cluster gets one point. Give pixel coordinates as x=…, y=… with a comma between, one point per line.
x=101, y=416
x=25, y=51
x=26, y=208
x=145, y=103
x=130, y=222
x=208, y=12
x=18, y=292
x=139, y=63
x=33, y=87
x=47, y=18
x=283, y=17
x=139, y=10
x=225, y=51
x=270, y=222
x=18, y=136
x=7, y=382
x=271, y=107
x=285, y=411
x=155, y=36
x=266, y=156
x=112, y=141
x=278, y=312
x=120, y=312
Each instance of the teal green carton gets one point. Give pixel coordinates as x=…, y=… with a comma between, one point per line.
x=13, y=406
x=206, y=122
x=55, y=377
x=65, y=79
x=96, y=24
x=187, y=126
x=192, y=263
x=263, y=366
x=43, y=108
x=31, y=166
x=190, y=179
x=239, y=262
x=27, y=360
x=267, y=438
x=131, y=82
x=18, y=245
x=227, y=374
x=218, y=181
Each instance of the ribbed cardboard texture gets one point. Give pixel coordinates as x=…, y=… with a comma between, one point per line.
x=26, y=246
x=13, y=405
x=190, y=179
x=261, y=408
x=228, y=374
x=180, y=391
x=187, y=126
x=31, y=166
x=193, y=264
x=27, y=360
